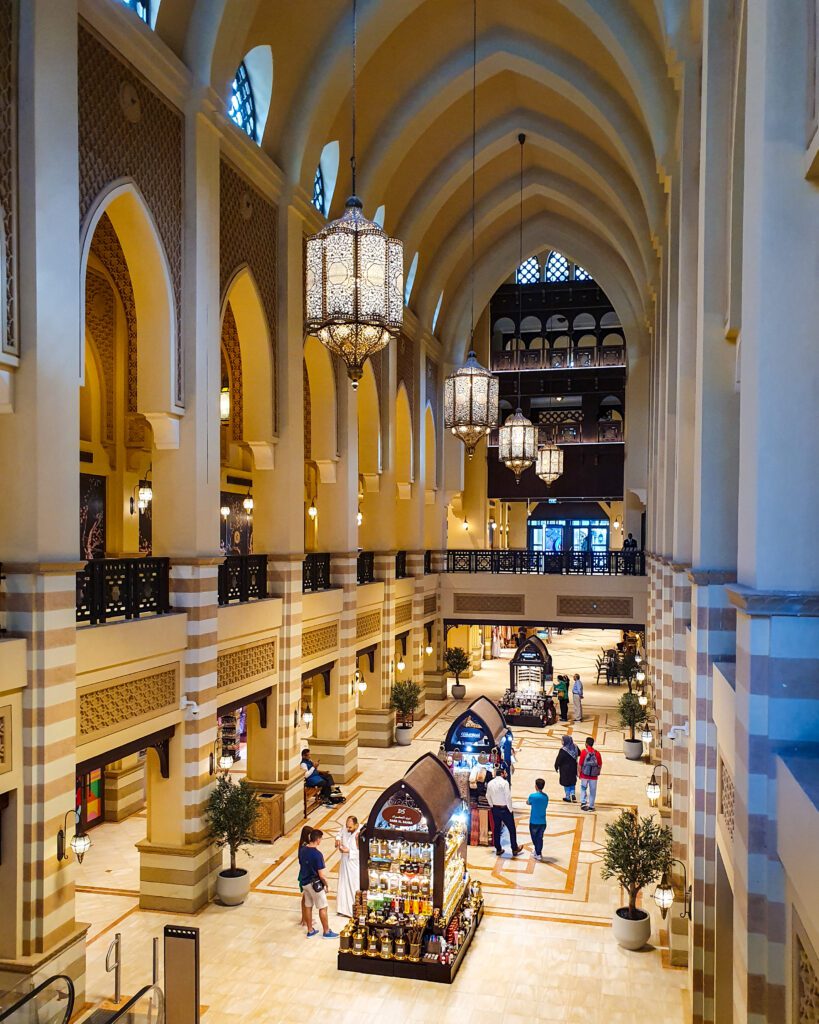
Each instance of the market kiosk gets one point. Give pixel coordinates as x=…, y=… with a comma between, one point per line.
x=528, y=700
x=417, y=909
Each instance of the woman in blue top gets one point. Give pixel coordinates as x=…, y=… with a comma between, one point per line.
x=538, y=801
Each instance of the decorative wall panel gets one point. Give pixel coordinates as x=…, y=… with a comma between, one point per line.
x=126, y=701
x=430, y=604
x=233, y=357
x=403, y=613
x=243, y=664
x=5, y=739
x=248, y=227
x=506, y=604
x=807, y=985
x=9, y=339
x=316, y=641
x=99, y=322
x=128, y=131
x=596, y=607
x=726, y=798
x=367, y=623
x=92, y=516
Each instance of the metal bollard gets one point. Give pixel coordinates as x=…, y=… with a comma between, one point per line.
x=155, y=978
x=116, y=966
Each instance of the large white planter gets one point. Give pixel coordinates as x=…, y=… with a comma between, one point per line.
x=403, y=735
x=458, y=691
x=631, y=934
x=232, y=889
x=633, y=749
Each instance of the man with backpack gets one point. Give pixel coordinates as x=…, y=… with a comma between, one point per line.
x=590, y=763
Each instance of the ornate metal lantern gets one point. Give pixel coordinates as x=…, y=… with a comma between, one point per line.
x=354, y=288
x=517, y=443
x=471, y=402
x=549, y=463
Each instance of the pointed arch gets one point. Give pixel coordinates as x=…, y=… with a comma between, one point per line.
x=321, y=378
x=404, y=468
x=430, y=451
x=369, y=424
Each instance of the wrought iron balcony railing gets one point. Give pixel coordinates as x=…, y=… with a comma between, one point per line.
x=242, y=578
x=427, y=563
x=400, y=565
x=577, y=358
x=122, y=588
x=558, y=563
x=315, y=572
x=365, y=567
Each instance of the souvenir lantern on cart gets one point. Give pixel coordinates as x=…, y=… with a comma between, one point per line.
x=417, y=908
x=528, y=701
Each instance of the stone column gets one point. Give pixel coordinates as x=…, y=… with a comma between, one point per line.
x=376, y=721
x=417, y=640
x=124, y=788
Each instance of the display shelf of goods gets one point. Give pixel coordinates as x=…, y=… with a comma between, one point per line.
x=417, y=908
x=527, y=707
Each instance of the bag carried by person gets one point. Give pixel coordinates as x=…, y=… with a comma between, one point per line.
x=318, y=885
x=591, y=766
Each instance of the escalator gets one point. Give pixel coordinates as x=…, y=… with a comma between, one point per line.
x=146, y=1007
x=50, y=1002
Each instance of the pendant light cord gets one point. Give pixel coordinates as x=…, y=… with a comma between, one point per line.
x=474, y=144
x=355, y=34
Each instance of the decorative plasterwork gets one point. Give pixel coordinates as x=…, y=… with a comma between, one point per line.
x=243, y=664
x=403, y=613
x=430, y=604
x=99, y=322
x=507, y=604
x=127, y=700
x=233, y=357
x=595, y=607
x=726, y=798
x=5, y=739
x=367, y=623
x=318, y=640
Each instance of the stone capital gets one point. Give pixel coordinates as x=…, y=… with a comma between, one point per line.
x=768, y=603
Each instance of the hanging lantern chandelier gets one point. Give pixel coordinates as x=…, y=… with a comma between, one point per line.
x=471, y=392
x=354, y=279
x=549, y=463
x=517, y=438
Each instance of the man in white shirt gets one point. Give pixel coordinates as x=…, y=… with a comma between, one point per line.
x=499, y=797
x=577, y=698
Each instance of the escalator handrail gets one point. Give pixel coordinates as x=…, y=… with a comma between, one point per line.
x=119, y=1015
x=36, y=991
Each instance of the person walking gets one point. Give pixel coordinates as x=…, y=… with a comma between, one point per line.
x=499, y=798
x=562, y=692
x=348, y=874
x=590, y=763
x=577, y=697
x=538, y=802
x=304, y=839
x=315, y=887
x=566, y=766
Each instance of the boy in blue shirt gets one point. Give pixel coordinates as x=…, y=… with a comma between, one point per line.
x=538, y=801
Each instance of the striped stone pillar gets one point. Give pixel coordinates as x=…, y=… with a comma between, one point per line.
x=376, y=724
x=124, y=788
x=285, y=580
x=178, y=862
x=41, y=608
x=338, y=753
x=713, y=626
x=417, y=641
x=678, y=750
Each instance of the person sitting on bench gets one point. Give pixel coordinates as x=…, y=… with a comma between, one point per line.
x=313, y=777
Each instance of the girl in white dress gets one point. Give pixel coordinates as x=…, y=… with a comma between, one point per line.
x=348, y=877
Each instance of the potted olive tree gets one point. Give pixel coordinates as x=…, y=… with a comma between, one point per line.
x=406, y=696
x=635, y=853
x=231, y=814
x=632, y=714
x=457, y=660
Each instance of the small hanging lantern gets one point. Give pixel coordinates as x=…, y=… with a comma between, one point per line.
x=517, y=443
x=471, y=403
x=224, y=405
x=549, y=463
x=247, y=504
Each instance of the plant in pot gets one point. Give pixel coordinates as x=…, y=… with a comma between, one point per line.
x=635, y=853
x=457, y=661
x=406, y=696
x=632, y=714
x=231, y=814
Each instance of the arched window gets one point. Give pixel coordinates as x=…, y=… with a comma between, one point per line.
x=580, y=274
x=410, y=279
x=142, y=8
x=437, y=311
x=318, y=191
x=241, y=109
x=557, y=268
x=528, y=272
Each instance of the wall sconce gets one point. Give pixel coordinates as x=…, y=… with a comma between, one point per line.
x=664, y=893
x=307, y=717
x=224, y=405
x=80, y=843
x=359, y=682
x=653, y=788
x=312, y=511
x=640, y=676
x=638, y=658
x=646, y=735
x=143, y=495
x=400, y=665
x=466, y=524
x=642, y=700
x=492, y=524
x=429, y=648
x=247, y=504
x=359, y=517
x=616, y=524
x=224, y=511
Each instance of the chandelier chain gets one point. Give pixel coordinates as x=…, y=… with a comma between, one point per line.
x=355, y=48
x=474, y=147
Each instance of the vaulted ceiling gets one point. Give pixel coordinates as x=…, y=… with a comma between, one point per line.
x=587, y=81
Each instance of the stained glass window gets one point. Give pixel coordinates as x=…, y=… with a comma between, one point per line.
x=142, y=8
x=241, y=109
x=557, y=268
x=318, y=191
x=528, y=272
x=580, y=274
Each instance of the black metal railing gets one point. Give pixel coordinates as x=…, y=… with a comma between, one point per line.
x=427, y=563
x=577, y=357
x=365, y=567
x=52, y=1002
x=400, y=565
x=315, y=572
x=243, y=578
x=122, y=588
x=594, y=563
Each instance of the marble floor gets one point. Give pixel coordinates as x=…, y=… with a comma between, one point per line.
x=544, y=951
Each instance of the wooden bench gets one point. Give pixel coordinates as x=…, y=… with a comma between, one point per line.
x=312, y=798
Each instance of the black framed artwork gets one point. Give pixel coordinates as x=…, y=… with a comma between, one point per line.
x=92, y=516
x=236, y=532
